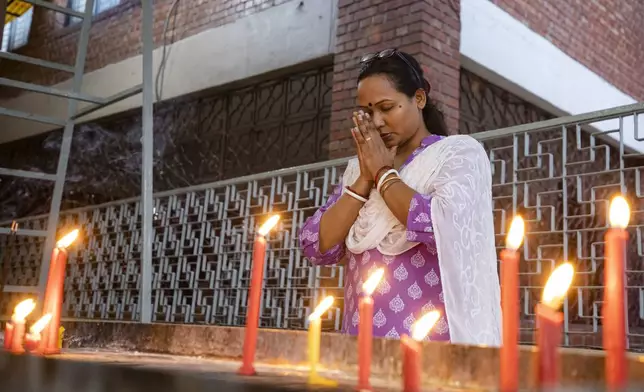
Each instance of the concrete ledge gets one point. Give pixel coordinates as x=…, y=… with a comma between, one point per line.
x=444, y=365
x=99, y=373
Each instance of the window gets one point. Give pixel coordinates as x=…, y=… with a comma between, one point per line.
x=16, y=32
x=99, y=6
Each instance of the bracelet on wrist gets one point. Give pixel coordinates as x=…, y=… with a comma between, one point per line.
x=381, y=171
x=388, y=185
x=386, y=176
x=358, y=193
x=387, y=181
x=354, y=195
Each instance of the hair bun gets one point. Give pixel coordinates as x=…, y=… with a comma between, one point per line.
x=427, y=86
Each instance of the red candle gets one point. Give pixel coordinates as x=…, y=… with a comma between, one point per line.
x=255, y=296
x=614, y=315
x=8, y=333
x=411, y=351
x=34, y=337
x=509, y=353
x=17, y=337
x=54, y=294
x=549, y=326
x=365, y=329
x=21, y=311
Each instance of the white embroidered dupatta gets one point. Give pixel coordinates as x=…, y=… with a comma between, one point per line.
x=456, y=173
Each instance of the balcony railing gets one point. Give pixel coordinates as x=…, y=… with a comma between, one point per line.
x=559, y=174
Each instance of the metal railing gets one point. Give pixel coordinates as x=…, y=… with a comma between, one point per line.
x=559, y=174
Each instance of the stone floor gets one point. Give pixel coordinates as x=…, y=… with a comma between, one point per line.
x=89, y=370
x=223, y=372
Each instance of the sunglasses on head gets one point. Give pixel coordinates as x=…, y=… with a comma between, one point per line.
x=367, y=59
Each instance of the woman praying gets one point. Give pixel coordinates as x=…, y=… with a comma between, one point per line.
x=416, y=202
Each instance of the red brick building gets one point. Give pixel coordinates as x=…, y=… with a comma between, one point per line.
x=255, y=85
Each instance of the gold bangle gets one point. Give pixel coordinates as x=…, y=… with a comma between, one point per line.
x=387, y=181
x=384, y=188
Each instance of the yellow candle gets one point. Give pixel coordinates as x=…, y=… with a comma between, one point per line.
x=315, y=330
x=61, y=335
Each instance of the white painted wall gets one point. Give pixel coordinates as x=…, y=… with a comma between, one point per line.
x=279, y=37
x=508, y=53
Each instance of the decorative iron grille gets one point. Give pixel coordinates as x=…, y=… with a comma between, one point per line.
x=265, y=126
x=559, y=174
x=485, y=106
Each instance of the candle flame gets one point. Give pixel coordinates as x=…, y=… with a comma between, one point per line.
x=619, y=213
x=22, y=310
x=322, y=308
x=40, y=324
x=372, y=282
x=424, y=325
x=515, y=236
x=268, y=225
x=558, y=284
x=67, y=240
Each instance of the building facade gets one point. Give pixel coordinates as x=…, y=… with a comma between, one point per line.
x=246, y=87
x=262, y=85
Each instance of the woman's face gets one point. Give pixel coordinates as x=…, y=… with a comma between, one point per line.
x=396, y=116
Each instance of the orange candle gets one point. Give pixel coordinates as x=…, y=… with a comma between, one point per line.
x=255, y=296
x=21, y=311
x=53, y=304
x=549, y=326
x=509, y=355
x=365, y=329
x=33, y=337
x=411, y=350
x=614, y=314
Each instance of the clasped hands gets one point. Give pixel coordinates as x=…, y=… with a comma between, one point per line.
x=373, y=154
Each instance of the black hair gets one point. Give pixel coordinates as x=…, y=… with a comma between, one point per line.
x=407, y=77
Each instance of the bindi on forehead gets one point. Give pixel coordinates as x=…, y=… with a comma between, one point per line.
x=370, y=104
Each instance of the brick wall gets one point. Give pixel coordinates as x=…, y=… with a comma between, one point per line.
x=606, y=36
x=116, y=35
x=429, y=30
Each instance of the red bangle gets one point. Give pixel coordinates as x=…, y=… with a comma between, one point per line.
x=358, y=193
x=380, y=172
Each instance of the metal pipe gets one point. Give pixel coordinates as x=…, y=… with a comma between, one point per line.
x=56, y=8
x=130, y=92
x=27, y=174
x=31, y=117
x=65, y=148
x=22, y=232
x=76, y=95
x=35, y=61
x=3, y=13
x=147, y=199
x=597, y=116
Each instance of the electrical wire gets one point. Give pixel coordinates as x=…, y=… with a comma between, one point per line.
x=160, y=79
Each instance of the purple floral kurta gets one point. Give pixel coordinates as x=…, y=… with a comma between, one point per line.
x=412, y=282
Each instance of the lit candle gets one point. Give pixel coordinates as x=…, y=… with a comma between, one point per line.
x=255, y=296
x=613, y=314
x=315, y=330
x=54, y=293
x=509, y=355
x=61, y=334
x=549, y=326
x=33, y=337
x=8, y=333
x=365, y=329
x=20, y=313
x=411, y=350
